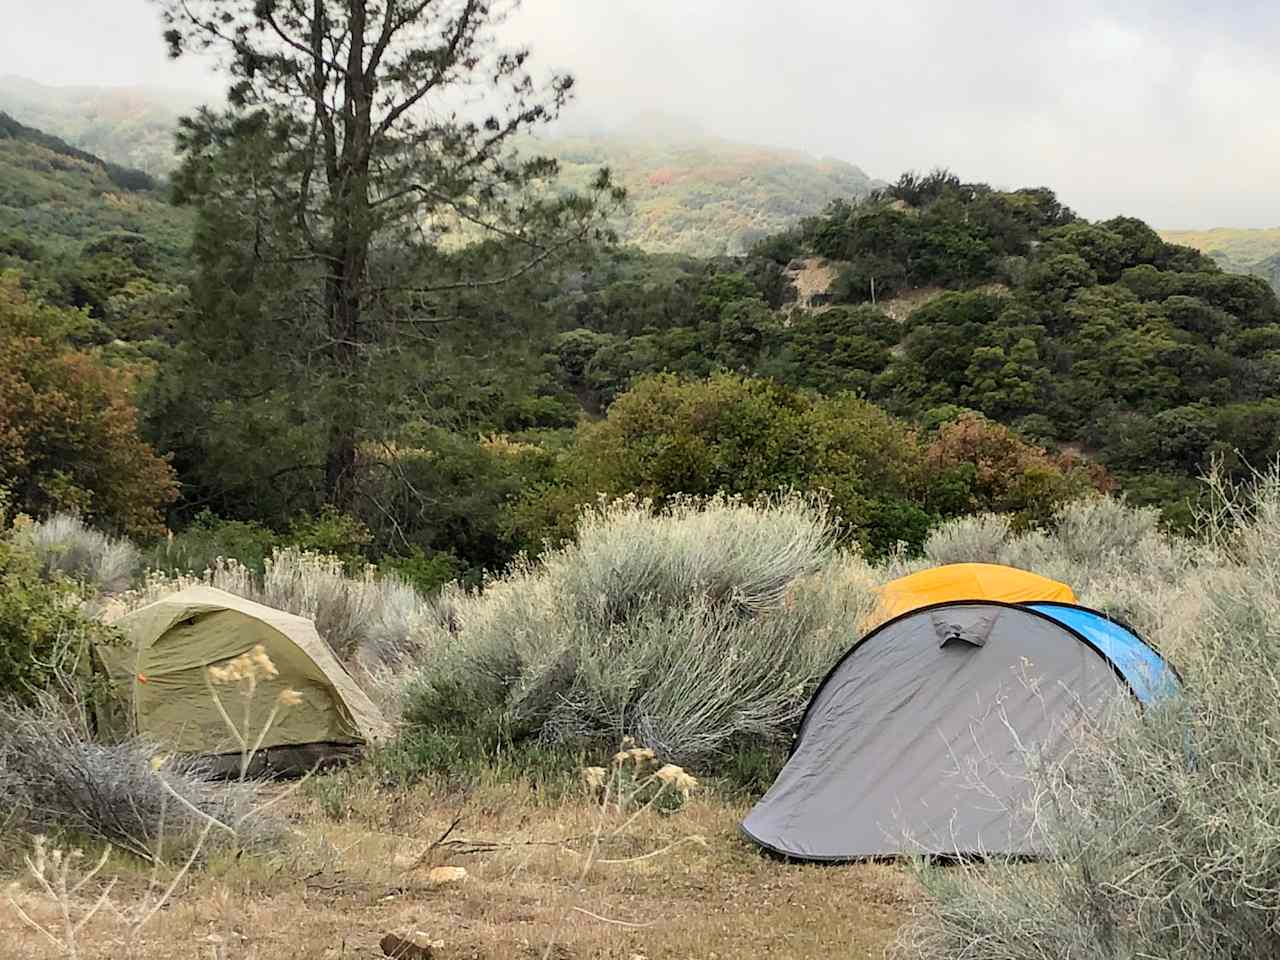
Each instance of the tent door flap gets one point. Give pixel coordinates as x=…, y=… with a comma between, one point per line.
x=973, y=641
x=963, y=625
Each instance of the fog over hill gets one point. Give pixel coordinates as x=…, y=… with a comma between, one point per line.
x=691, y=192
x=132, y=126
x=1136, y=108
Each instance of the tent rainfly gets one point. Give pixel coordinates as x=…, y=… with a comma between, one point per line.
x=966, y=581
x=159, y=677
x=914, y=742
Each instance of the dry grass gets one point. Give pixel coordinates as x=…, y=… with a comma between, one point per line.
x=347, y=884
x=359, y=866
x=1240, y=245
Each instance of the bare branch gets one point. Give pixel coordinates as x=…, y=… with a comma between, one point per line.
x=390, y=25
x=307, y=51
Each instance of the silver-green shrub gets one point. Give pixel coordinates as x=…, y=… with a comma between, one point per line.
x=64, y=545
x=376, y=614
x=1164, y=825
x=55, y=779
x=687, y=628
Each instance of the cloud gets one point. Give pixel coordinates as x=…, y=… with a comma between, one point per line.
x=94, y=43
x=1157, y=110
x=1162, y=110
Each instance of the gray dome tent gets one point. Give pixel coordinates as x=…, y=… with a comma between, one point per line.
x=915, y=742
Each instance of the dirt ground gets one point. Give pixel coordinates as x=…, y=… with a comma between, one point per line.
x=360, y=869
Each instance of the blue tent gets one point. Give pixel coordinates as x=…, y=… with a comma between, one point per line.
x=1147, y=673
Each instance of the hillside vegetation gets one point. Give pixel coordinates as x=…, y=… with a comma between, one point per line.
x=690, y=193
x=57, y=201
x=1095, y=336
x=131, y=126
x=93, y=260
x=962, y=349
x=1236, y=246
x=1255, y=252
x=703, y=196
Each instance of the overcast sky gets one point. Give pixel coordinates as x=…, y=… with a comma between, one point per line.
x=1162, y=109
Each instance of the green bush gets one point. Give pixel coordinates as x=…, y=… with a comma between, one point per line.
x=425, y=573
x=334, y=534
x=43, y=634
x=447, y=493
x=208, y=538
x=669, y=437
x=751, y=437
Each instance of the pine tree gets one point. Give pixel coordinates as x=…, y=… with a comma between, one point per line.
x=360, y=137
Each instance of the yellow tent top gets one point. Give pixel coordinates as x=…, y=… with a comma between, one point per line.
x=966, y=581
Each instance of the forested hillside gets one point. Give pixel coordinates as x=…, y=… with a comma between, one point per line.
x=59, y=196
x=131, y=126
x=90, y=234
x=689, y=193
x=1142, y=356
x=1255, y=252
x=929, y=350
x=699, y=195
x=921, y=351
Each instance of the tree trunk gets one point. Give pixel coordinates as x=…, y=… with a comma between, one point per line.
x=346, y=339
x=348, y=261
x=340, y=458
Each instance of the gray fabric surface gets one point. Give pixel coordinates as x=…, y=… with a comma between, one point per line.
x=916, y=742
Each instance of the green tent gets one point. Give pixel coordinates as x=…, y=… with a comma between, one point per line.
x=159, y=675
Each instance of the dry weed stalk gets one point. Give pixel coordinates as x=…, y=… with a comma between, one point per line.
x=245, y=672
x=53, y=868
x=634, y=783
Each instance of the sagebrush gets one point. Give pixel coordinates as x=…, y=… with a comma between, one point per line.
x=1165, y=827
x=375, y=613
x=64, y=545
x=56, y=779
x=687, y=628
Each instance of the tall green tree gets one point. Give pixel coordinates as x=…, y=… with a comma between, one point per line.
x=358, y=134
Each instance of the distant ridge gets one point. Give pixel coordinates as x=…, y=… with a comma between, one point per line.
x=131, y=126
x=127, y=178
x=57, y=199
x=702, y=195
x=691, y=193
x=1251, y=251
